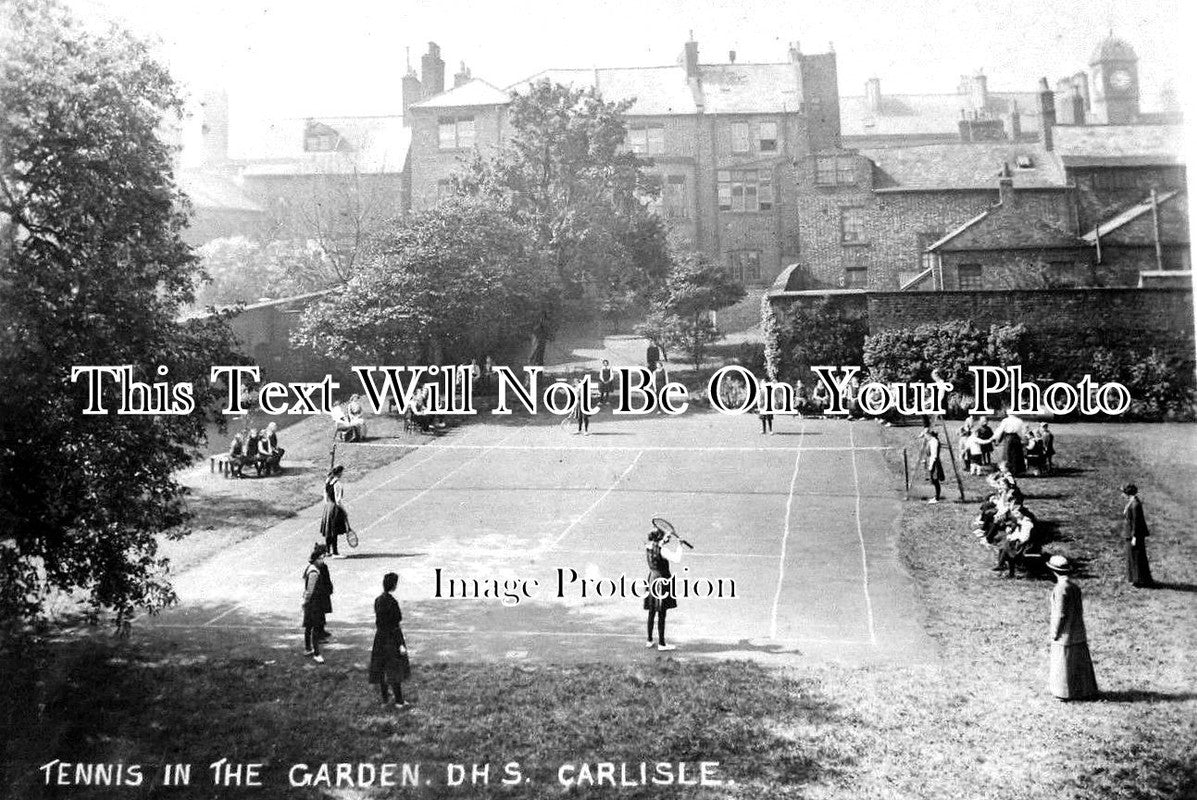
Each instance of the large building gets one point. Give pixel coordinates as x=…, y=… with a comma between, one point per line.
x=722, y=137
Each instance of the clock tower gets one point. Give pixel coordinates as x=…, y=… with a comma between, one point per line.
x=1114, y=74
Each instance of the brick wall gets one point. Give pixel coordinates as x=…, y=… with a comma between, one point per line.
x=428, y=164
x=1075, y=320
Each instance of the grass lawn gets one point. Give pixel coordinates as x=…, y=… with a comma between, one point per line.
x=977, y=725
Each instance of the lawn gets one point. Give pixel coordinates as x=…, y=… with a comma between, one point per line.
x=979, y=724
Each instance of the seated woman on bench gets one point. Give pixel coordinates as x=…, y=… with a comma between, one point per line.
x=348, y=427
x=1019, y=541
x=269, y=453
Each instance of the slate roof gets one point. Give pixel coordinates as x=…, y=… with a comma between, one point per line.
x=989, y=231
x=370, y=145
x=211, y=192
x=476, y=92
x=962, y=166
x=1127, y=216
x=1119, y=145
x=931, y=114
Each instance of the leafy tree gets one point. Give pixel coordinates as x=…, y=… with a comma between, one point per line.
x=564, y=174
x=241, y=270
x=453, y=282
x=93, y=271
x=825, y=333
x=694, y=290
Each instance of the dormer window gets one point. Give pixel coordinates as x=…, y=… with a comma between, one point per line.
x=1025, y=162
x=320, y=138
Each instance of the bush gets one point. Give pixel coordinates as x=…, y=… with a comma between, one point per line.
x=827, y=333
x=1152, y=380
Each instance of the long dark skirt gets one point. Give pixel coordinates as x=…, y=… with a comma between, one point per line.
x=335, y=521
x=666, y=600
x=1071, y=675
x=386, y=662
x=1138, y=571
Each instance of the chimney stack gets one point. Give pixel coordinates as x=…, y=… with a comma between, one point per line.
x=795, y=52
x=1047, y=112
x=690, y=57
x=873, y=95
x=462, y=77
x=1015, y=122
x=412, y=92
x=731, y=56
x=432, y=71
x=1006, y=186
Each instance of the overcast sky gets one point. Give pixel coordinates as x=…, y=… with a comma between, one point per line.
x=301, y=58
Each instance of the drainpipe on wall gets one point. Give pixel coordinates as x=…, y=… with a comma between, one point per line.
x=1155, y=220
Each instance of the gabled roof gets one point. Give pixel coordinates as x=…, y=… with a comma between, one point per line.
x=212, y=192
x=962, y=166
x=930, y=114
x=369, y=145
x=663, y=91
x=1128, y=216
x=476, y=92
x=1119, y=145
x=989, y=231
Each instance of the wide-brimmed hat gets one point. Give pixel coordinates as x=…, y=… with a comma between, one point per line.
x=1059, y=564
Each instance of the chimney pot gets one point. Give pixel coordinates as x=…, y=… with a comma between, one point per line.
x=690, y=57
x=731, y=56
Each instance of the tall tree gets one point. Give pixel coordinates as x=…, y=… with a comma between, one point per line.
x=682, y=316
x=448, y=284
x=93, y=271
x=565, y=175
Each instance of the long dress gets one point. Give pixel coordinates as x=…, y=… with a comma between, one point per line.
x=1071, y=672
x=1138, y=571
x=662, y=598
x=386, y=662
x=335, y=521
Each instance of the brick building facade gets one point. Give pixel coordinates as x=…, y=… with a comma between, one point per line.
x=722, y=139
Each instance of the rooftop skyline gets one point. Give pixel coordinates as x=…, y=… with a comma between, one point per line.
x=300, y=59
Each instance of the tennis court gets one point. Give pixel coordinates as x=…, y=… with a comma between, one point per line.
x=797, y=525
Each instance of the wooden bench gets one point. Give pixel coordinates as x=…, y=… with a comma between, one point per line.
x=219, y=462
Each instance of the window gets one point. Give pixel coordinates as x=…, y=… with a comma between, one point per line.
x=835, y=171
x=768, y=137
x=1064, y=273
x=1116, y=180
x=852, y=226
x=968, y=278
x=456, y=133
x=925, y=239
x=740, y=137
x=1176, y=258
x=646, y=139
x=320, y=138
x=744, y=265
x=745, y=190
x=674, y=191
x=856, y=278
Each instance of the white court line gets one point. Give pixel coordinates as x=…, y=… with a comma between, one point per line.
x=439, y=481
x=864, y=559
x=465, y=632
x=632, y=447
x=221, y=616
x=781, y=561
x=593, y=505
x=689, y=554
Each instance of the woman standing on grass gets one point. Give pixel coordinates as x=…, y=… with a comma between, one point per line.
x=1071, y=673
x=335, y=520
x=388, y=656
x=313, y=604
x=1138, y=571
x=934, y=467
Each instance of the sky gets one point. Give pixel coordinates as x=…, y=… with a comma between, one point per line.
x=303, y=58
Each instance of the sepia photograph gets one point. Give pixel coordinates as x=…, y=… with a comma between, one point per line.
x=659, y=399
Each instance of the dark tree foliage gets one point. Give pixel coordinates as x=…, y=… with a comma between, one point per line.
x=456, y=282
x=564, y=174
x=92, y=272
x=682, y=315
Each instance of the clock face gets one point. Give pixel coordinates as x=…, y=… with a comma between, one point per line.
x=1120, y=79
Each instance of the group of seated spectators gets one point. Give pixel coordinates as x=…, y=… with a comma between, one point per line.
x=257, y=449
x=1006, y=524
x=350, y=419
x=421, y=415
